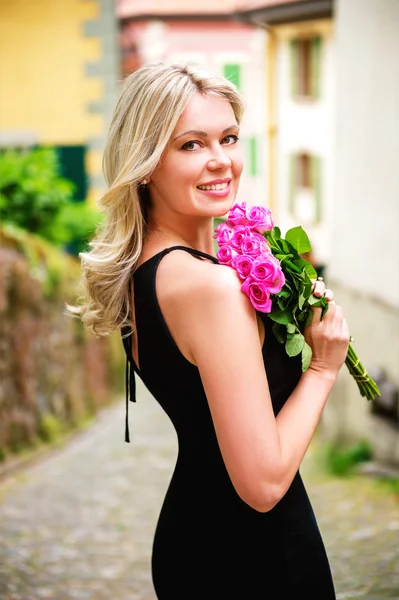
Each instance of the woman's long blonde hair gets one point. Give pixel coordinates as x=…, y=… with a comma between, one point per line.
x=151, y=100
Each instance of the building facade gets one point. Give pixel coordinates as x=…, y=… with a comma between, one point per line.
x=59, y=68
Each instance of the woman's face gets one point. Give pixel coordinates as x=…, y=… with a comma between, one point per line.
x=200, y=169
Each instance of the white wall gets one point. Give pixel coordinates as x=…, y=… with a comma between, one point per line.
x=366, y=203
x=364, y=266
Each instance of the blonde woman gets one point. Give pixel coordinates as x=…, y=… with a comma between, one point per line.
x=236, y=522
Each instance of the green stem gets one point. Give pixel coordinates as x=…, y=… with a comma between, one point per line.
x=367, y=386
x=291, y=265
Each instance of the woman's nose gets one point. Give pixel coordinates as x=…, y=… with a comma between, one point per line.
x=219, y=160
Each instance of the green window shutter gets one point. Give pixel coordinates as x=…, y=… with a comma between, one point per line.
x=315, y=67
x=294, y=68
x=72, y=166
x=317, y=187
x=292, y=181
x=232, y=72
x=253, y=156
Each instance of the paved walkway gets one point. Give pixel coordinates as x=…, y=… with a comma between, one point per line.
x=79, y=525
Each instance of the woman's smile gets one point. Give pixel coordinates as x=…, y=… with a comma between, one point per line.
x=219, y=187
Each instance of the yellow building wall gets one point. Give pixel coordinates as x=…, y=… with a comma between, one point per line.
x=44, y=89
x=323, y=27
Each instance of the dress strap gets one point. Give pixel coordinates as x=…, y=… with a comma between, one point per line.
x=190, y=251
x=130, y=380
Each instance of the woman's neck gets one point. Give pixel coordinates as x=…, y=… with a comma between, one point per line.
x=199, y=239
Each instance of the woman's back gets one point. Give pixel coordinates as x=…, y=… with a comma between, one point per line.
x=209, y=543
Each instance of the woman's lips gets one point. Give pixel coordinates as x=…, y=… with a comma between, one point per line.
x=217, y=193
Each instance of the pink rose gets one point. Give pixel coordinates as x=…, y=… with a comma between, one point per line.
x=264, y=245
x=225, y=254
x=223, y=233
x=238, y=214
x=254, y=245
x=258, y=294
x=267, y=269
x=243, y=265
x=218, y=229
x=240, y=233
x=260, y=218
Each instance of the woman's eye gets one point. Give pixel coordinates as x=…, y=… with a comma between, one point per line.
x=190, y=146
x=230, y=139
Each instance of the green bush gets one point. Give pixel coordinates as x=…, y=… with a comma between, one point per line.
x=341, y=461
x=51, y=428
x=31, y=190
x=73, y=227
x=35, y=197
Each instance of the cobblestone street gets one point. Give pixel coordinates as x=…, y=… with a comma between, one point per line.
x=79, y=524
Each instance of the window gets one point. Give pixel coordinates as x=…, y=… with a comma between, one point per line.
x=305, y=197
x=303, y=174
x=305, y=67
x=232, y=72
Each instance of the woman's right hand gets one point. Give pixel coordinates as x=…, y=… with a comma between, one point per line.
x=328, y=339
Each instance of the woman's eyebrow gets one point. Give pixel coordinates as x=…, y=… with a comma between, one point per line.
x=203, y=133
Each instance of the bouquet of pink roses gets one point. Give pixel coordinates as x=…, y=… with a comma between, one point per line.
x=278, y=281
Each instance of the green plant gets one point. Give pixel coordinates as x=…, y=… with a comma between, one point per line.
x=32, y=192
x=51, y=428
x=341, y=461
x=391, y=484
x=35, y=197
x=73, y=226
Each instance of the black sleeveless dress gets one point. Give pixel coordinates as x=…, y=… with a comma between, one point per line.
x=209, y=544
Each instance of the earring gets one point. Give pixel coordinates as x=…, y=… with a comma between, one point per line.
x=144, y=182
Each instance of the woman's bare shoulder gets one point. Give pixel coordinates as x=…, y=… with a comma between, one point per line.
x=182, y=275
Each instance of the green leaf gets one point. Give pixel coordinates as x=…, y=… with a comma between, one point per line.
x=276, y=231
x=305, y=265
x=291, y=328
x=295, y=345
x=309, y=318
x=324, y=309
x=306, y=357
x=306, y=288
x=284, y=246
x=314, y=301
x=299, y=239
x=285, y=293
x=297, y=281
x=279, y=332
x=301, y=300
x=281, y=316
x=282, y=303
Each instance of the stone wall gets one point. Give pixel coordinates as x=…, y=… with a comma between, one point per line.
x=53, y=373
